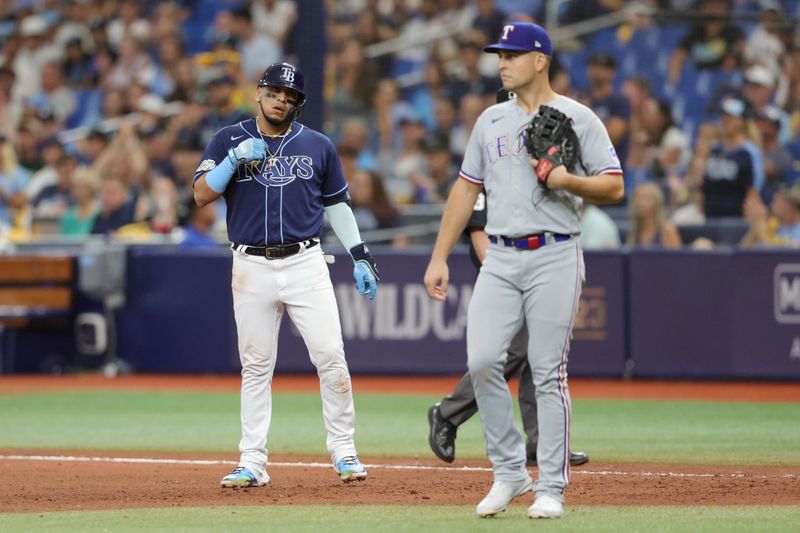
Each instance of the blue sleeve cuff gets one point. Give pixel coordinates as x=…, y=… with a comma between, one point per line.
x=218, y=177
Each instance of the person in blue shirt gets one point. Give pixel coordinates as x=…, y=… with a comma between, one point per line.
x=197, y=233
x=734, y=168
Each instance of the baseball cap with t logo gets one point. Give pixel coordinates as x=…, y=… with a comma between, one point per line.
x=522, y=37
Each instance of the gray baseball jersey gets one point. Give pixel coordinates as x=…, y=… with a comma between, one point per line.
x=496, y=158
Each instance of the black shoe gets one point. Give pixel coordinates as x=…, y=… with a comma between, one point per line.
x=442, y=435
x=575, y=458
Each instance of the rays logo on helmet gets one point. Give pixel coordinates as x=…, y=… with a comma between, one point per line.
x=287, y=74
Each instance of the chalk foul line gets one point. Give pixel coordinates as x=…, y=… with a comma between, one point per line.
x=156, y=460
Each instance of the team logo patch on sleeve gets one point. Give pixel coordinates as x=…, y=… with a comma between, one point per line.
x=613, y=152
x=206, y=165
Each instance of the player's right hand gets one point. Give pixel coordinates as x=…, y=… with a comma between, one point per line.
x=248, y=150
x=437, y=276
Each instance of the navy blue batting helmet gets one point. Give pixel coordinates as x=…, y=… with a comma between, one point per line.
x=285, y=75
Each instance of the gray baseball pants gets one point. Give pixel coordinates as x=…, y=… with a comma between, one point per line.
x=461, y=405
x=540, y=288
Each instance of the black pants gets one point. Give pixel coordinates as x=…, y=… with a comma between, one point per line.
x=461, y=405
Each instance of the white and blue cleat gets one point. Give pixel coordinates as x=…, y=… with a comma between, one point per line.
x=350, y=469
x=241, y=477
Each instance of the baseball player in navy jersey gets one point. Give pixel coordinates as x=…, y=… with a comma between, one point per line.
x=279, y=178
x=533, y=270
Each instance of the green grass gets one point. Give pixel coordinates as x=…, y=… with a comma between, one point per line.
x=395, y=425
x=414, y=519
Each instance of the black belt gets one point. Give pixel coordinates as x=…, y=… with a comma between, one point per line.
x=529, y=242
x=277, y=251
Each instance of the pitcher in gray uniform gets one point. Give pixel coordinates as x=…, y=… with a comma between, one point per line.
x=533, y=270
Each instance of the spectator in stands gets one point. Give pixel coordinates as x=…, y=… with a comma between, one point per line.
x=184, y=81
x=274, y=18
x=74, y=25
x=387, y=111
x=469, y=79
x=165, y=20
x=157, y=144
x=372, y=27
x=444, y=114
x=658, y=148
x=117, y=206
x=734, y=168
x=372, y=207
x=713, y=42
x=611, y=107
x=51, y=151
x=90, y=148
x=79, y=219
x=133, y=65
x=488, y=18
x=77, y=65
x=354, y=82
x=124, y=158
x=777, y=159
x=778, y=227
x=197, y=233
x=649, y=223
x=599, y=231
x=470, y=109
x=159, y=207
x=184, y=161
x=35, y=51
x=13, y=179
x=128, y=24
x=355, y=137
x=347, y=156
x=256, y=49
x=26, y=146
x=432, y=184
x=53, y=200
x=222, y=110
x=765, y=45
x=759, y=92
x=400, y=165
x=114, y=104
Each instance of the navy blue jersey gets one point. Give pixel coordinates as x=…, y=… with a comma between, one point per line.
x=727, y=176
x=279, y=200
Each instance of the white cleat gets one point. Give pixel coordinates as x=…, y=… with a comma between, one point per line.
x=546, y=506
x=500, y=495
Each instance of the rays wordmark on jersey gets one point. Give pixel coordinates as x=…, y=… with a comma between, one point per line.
x=278, y=171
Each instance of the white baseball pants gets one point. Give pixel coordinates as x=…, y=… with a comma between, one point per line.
x=301, y=285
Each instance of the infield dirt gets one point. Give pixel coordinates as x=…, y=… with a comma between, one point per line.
x=33, y=485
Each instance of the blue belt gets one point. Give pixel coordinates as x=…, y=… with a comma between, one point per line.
x=530, y=242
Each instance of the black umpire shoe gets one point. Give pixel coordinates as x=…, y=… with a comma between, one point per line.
x=575, y=458
x=442, y=435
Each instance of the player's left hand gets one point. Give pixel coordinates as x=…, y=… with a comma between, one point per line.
x=549, y=165
x=365, y=271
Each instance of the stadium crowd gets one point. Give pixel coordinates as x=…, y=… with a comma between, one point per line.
x=106, y=105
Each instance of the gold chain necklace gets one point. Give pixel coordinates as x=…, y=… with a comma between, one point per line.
x=273, y=157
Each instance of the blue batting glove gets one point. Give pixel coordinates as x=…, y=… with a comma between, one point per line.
x=365, y=271
x=248, y=150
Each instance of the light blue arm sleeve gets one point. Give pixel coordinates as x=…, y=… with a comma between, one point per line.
x=344, y=224
x=218, y=177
